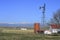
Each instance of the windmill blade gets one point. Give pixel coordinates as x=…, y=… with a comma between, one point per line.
x=44, y=6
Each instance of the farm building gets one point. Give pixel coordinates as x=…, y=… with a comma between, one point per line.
x=23, y=28
x=54, y=28
x=36, y=27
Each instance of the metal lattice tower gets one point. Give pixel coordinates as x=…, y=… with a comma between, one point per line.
x=43, y=12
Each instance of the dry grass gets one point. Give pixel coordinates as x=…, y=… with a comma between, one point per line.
x=14, y=34
x=18, y=31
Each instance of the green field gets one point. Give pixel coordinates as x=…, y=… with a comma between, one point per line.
x=15, y=34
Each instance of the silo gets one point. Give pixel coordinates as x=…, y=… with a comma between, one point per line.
x=36, y=27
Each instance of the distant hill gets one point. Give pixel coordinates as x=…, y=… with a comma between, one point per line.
x=27, y=25
x=15, y=25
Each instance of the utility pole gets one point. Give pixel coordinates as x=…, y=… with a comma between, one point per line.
x=43, y=12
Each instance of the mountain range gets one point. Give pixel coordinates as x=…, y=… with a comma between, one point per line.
x=15, y=25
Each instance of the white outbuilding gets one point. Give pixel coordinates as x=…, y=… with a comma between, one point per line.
x=23, y=28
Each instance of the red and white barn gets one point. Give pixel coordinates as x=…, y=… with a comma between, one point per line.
x=54, y=28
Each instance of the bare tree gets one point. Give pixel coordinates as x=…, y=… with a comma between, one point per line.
x=56, y=17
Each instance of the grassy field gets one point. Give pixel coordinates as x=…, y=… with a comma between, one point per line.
x=13, y=34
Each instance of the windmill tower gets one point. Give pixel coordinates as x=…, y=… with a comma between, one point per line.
x=43, y=12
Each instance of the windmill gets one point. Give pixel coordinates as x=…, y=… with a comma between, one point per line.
x=43, y=12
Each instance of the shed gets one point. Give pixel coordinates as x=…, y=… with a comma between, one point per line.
x=36, y=27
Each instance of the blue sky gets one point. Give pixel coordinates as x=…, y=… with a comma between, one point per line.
x=18, y=11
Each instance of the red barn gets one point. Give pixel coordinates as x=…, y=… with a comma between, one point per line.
x=55, y=26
